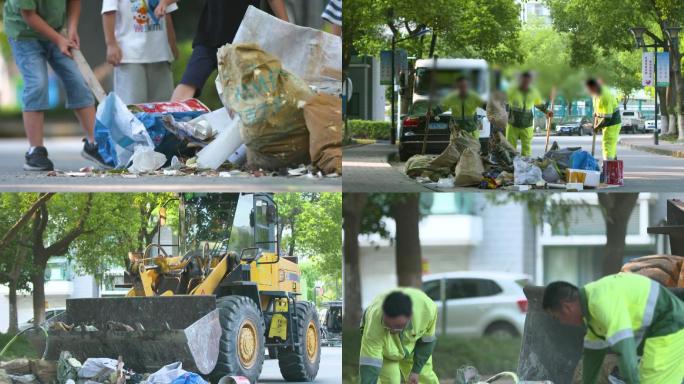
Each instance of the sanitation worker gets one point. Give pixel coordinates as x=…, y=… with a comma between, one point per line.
x=463, y=104
x=623, y=314
x=398, y=337
x=606, y=117
x=521, y=103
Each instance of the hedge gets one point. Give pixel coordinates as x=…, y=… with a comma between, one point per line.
x=369, y=129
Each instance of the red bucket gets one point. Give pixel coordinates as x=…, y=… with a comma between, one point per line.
x=613, y=171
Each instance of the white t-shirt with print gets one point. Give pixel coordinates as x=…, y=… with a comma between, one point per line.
x=141, y=35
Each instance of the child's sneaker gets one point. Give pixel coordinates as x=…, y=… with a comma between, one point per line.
x=91, y=153
x=37, y=160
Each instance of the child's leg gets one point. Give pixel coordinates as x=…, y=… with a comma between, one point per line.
x=30, y=57
x=200, y=66
x=159, y=81
x=79, y=96
x=130, y=83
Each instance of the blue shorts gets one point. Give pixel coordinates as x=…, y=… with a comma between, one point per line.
x=32, y=57
x=202, y=63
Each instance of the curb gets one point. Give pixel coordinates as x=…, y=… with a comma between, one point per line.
x=651, y=149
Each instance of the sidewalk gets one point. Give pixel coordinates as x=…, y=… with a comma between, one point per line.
x=665, y=148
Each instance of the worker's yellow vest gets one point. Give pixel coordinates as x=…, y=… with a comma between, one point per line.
x=521, y=106
x=606, y=106
x=463, y=110
x=619, y=306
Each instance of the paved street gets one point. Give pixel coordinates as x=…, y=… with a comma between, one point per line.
x=366, y=168
x=65, y=154
x=330, y=371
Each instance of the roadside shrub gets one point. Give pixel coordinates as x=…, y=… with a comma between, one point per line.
x=369, y=129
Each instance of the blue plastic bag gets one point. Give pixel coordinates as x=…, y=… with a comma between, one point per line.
x=189, y=378
x=155, y=126
x=583, y=160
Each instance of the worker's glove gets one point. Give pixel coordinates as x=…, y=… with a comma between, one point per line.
x=413, y=378
x=549, y=114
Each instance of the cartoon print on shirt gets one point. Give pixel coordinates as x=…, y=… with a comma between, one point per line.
x=143, y=15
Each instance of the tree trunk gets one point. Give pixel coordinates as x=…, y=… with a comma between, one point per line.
x=616, y=209
x=664, y=122
x=38, y=281
x=13, y=318
x=408, y=258
x=352, y=205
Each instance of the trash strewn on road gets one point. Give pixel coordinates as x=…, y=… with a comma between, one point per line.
x=462, y=164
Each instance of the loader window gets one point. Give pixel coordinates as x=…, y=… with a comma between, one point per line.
x=264, y=225
x=208, y=218
x=241, y=236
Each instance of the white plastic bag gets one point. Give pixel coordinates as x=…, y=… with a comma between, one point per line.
x=117, y=126
x=167, y=374
x=97, y=369
x=223, y=146
x=313, y=55
x=145, y=159
x=525, y=172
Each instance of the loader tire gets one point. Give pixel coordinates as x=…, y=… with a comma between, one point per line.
x=241, y=350
x=301, y=362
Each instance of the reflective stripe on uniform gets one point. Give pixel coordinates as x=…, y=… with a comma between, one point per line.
x=596, y=344
x=428, y=338
x=649, y=311
x=619, y=336
x=372, y=361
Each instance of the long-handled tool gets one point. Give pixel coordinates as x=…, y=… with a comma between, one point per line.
x=548, y=119
x=87, y=73
x=593, y=139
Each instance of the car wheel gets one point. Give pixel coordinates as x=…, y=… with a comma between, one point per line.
x=501, y=330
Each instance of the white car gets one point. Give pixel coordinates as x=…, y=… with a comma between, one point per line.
x=650, y=126
x=479, y=303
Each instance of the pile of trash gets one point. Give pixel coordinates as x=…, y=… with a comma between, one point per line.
x=461, y=164
x=470, y=375
x=69, y=370
x=282, y=113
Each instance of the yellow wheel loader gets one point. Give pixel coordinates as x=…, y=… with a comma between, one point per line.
x=216, y=304
x=551, y=351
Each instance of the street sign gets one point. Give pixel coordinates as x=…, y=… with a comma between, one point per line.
x=663, y=69
x=647, y=65
x=400, y=63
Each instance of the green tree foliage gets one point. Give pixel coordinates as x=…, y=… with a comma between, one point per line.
x=464, y=28
x=312, y=229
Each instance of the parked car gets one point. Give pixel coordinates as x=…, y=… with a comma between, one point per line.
x=632, y=122
x=412, y=131
x=479, y=303
x=49, y=314
x=574, y=125
x=650, y=126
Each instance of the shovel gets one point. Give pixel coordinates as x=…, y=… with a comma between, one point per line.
x=548, y=120
x=593, y=139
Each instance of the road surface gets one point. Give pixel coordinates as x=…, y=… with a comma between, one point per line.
x=65, y=154
x=367, y=169
x=329, y=372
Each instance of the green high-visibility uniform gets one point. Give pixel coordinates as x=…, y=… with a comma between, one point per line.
x=521, y=106
x=388, y=358
x=625, y=313
x=607, y=110
x=464, y=111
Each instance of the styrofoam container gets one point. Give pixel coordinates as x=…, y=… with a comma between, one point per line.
x=589, y=179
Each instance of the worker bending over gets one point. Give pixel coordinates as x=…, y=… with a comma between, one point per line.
x=521, y=103
x=624, y=313
x=463, y=104
x=606, y=117
x=398, y=337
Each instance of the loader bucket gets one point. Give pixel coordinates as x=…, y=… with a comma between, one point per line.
x=167, y=329
x=550, y=350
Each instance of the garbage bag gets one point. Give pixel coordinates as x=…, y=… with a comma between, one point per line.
x=269, y=101
x=67, y=368
x=16, y=367
x=97, y=369
x=323, y=116
x=44, y=370
x=501, y=152
x=145, y=159
x=118, y=132
x=421, y=166
x=189, y=378
x=467, y=375
x=550, y=173
x=167, y=374
x=526, y=172
x=448, y=158
x=583, y=160
x=561, y=156
x=463, y=140
x=310, y=54
x=469, y=169
x=496, y=111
